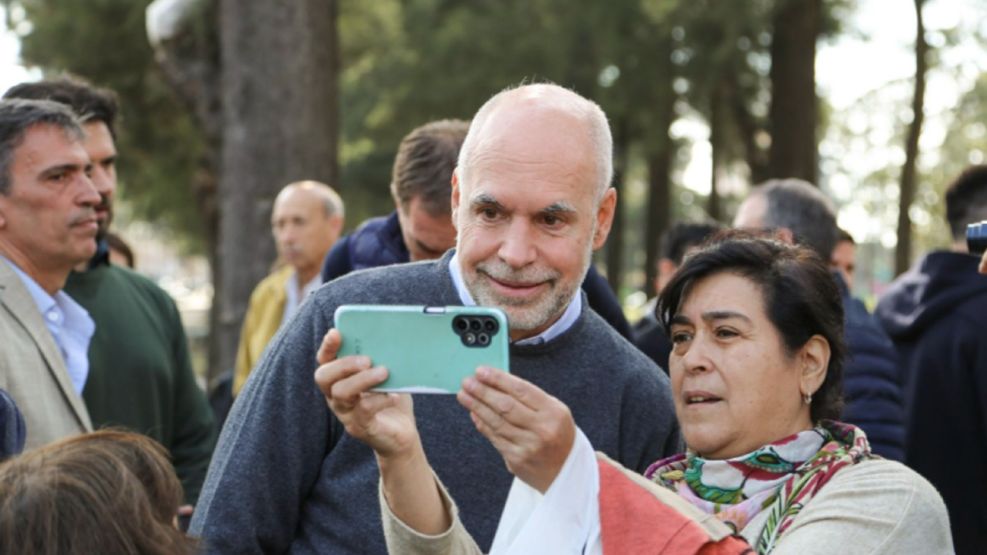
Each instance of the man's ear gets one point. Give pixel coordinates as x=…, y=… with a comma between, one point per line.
x=454, y=199
x=814, y=362
x=604, y=217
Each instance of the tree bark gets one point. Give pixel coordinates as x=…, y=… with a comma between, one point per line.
x=278, y=71
x=717, y=141
x=615, y=242
x=903, y=250
x=659, y=208
x=794, y=111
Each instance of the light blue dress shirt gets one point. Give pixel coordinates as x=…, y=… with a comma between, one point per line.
x=69, y=324
x=565, y=322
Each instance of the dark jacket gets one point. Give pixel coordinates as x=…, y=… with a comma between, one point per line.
x=871, y=388
x=650, y=337
x=12, y=432
x=936, y=314
x=378, y=242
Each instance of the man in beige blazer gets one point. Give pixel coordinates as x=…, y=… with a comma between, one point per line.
x=47, y=226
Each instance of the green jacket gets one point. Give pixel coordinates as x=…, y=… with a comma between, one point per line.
x=140, y=375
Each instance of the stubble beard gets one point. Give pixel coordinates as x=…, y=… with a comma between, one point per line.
x=522, y=314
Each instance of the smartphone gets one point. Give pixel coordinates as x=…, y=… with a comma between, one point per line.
x=426, y=349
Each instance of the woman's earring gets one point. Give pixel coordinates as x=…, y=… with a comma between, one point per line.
x=807, y=399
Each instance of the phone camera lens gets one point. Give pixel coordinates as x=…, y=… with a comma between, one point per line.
x=469, y=338
x=490, y=325
x=475, y=325
x=483, y=339
x=460, y=324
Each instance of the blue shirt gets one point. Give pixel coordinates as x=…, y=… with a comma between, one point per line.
x=564, y=322
x=69, y=324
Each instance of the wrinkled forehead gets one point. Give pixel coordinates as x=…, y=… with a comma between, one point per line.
x=528, y=146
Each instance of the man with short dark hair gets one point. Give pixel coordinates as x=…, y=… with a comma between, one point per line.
x=676, y=242
x=140, y=374
x=420, y=228
x=532, y=199
x=936, y=314
x=47, y=226
x=844, y=257
x=798, y=212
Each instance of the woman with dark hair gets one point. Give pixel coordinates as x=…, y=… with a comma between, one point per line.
x=756, y=368
x=104, y=492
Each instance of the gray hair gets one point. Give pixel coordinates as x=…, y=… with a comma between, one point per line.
x=802, y=208
x=17, y=116
x=590, y=112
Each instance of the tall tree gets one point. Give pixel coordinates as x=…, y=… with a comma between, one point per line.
x=903, y=249
x=794, y=110
x=269, y=103
x=272, y=135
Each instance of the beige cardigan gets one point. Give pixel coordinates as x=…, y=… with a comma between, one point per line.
x=876, y=506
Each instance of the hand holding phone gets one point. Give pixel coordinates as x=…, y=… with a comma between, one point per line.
x=426, y=349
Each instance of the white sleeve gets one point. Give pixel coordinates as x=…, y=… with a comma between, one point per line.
x=565, y=520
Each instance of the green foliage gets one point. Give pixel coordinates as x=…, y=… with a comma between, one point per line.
x=104, y=41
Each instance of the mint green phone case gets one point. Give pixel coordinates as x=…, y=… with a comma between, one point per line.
x=425, y=349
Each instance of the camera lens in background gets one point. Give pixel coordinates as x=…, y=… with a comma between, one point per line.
x=976, y=238
x=483, y=339
x=469, y=338
x=460, y=324
x=490, y=325
x=475, y=325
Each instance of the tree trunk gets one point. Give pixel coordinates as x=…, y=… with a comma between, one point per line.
x=903, y=250
x=278, y=71
x=717, y=141
x=615, y=242
x=659, y=208
x=793, y=112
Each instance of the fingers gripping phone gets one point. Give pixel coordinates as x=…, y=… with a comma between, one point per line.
x=426, y=349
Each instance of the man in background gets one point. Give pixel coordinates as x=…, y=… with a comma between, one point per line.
x=798, y=212
x=140, y=375
x=306, y=221
x=47, y=226
x=676, y=242
x=936, y=314
x=420, y=228
x=844, y=257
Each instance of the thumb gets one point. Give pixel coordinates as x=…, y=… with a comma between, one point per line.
x=329, y=347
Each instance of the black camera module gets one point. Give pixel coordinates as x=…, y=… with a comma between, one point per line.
x=490, y=325
x=976, y=238
x=460, y=324
x=475, y=324
x=482, y=339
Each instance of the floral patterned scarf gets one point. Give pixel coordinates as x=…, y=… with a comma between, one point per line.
x=780, y=477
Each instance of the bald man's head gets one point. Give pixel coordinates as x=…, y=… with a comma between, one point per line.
x=306, y=221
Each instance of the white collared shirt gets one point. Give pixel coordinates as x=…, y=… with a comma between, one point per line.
x=69, y=324
x=564, y=322
x=296, y=295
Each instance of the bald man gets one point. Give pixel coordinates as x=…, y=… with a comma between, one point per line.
x=306, y=221
x=531, y=201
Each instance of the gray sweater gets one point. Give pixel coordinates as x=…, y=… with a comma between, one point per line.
x=286, y=477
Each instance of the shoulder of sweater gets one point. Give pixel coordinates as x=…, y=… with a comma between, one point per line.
x=372, y=284
x=876, y=506
x=605, y=345
x=892, y=488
